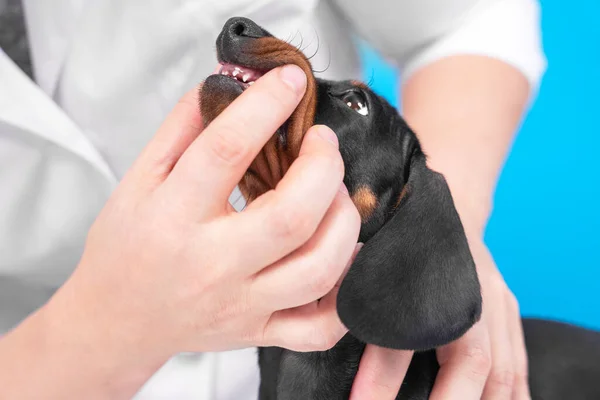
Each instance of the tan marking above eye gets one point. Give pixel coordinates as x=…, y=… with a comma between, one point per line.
x=365, y=201
x=359, y=84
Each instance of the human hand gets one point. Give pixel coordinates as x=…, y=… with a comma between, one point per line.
x=169, y=266
x=488, y=362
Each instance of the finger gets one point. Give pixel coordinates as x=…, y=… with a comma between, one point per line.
x=464, y=366
x=311, y=271
x=517, y=338
x=217, y=159
x=177, y=132
x=173, y=137
x=282, y=220
x=499, y=385
x=380, y=373
x=329, y=300
x=312, y=327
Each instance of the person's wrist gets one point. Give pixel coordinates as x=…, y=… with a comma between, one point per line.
x=474, y=213
x=471, y=193
x=116, y=361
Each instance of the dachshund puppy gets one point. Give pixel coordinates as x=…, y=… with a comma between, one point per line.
x=413, y=285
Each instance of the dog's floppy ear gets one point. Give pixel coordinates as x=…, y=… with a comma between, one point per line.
x=414, y=285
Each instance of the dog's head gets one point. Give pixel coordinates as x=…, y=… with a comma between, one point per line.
x=413, y=285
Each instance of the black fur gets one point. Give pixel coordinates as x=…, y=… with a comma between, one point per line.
x=414, y=284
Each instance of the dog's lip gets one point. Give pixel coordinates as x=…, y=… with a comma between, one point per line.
x=244, y=75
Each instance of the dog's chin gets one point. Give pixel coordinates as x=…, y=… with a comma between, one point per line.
x=216, y=94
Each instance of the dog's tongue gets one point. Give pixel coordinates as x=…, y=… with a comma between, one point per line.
x=280, y=151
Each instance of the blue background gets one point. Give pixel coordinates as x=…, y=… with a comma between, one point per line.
x=545, y=229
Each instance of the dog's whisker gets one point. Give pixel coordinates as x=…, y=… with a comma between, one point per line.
x=318, y=45
x=371, y=79
x=292, y=38
x=301, y=40
x=328, y=62
x=306, y=47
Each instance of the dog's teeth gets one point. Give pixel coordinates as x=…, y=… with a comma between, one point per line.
x=236, y=72
x=251, y=83
x=246, y=77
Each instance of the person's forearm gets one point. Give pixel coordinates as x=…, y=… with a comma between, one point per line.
x=59, y=353
x=465, y=111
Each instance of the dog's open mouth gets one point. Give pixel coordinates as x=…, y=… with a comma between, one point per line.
x=246, y=52
x=243, y=75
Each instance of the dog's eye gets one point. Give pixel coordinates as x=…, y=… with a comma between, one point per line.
x=357, y=102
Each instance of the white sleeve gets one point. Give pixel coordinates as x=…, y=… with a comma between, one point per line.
x=508, y=30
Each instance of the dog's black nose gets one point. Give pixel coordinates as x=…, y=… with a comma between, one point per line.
x=236, y=37
x=237, y=27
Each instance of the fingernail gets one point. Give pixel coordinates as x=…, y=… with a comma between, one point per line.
x=344, y=189
x=327, y=134
x=294, y=77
